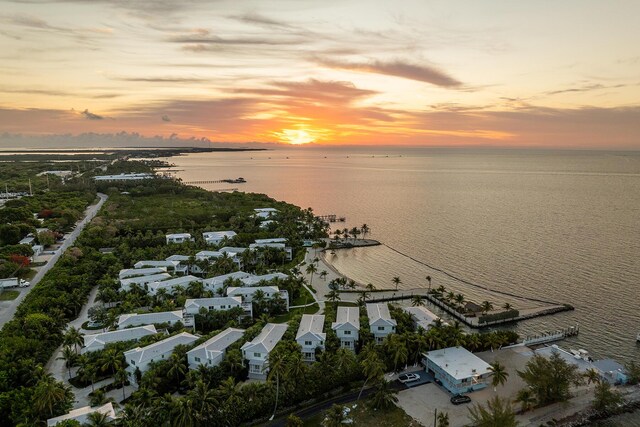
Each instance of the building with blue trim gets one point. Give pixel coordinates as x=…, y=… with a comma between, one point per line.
x=459, y=370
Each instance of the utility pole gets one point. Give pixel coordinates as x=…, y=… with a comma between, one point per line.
x=30, y=190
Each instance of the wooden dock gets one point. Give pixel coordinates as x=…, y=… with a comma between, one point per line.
x=547, y=337
x=331, y=218
x=218, y=181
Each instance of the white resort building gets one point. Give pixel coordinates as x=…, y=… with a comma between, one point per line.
x=142, y=281
x=81, y=415
x=459, y=370
x=310, y=335
x=347, y=327
x=215, y=283
x=248, y=293
x=211, y=352
x=141, y=357
x=135, y=272
x=193, y=306
x=217, y=237
x=265, y=213
x=169, y=265
x=380, y=321
x=134, y=319
x=252, y=280
x=257, y=351
x=179, y=238
x=171, y=284
x=97, y=342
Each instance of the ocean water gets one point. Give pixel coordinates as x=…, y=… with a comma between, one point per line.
x=561, y=226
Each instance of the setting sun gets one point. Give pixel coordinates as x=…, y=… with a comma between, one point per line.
x=295, y=136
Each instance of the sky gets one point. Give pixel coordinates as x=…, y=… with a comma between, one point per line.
x=501, y=73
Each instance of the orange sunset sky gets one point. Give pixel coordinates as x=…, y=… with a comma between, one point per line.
x=443, y=73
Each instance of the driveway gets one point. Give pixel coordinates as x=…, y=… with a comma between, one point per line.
x=8, y=309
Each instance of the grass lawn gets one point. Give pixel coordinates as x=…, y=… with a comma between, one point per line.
x=312, y=309
x=362, y=415
x=304, y=298
x=8, y=295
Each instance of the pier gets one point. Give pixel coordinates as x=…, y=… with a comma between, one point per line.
x=218, y=181
x=547, y=337
x=331, y=218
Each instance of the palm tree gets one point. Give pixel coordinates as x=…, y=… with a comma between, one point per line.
x=429, y=280
x=333, y=296
x=370, y=287
x=525, y=398
x=355, y=231
x=177, y=367
x=204, y=400
x=499, y=374
x=459, y=299
x=277, y=369
x=396, y=281
x=385, y=396
x=497, y=413
x=311, y=270
x=417, y=301
x=98, y=419
x=365, y=230
x=372, y=366
x=48, y=395
x=73, y=337
x=183, y=414
x=507, y=306
x=88, y=373
x=323, y=275
x=70, y=358
x=111, y=360
x=450, y=296
x=398, y=350
x=592, y=376
x=443, y=419
x=122, y=376
x=334, y=416
x=487, y=306
x=473, y=342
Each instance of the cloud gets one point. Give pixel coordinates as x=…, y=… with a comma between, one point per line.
x=91, y=116
x=406, y=70
x=336, y=92
x=261, y=20
x=204, y=37
x=585, y=88
x=166, y=118
x=162, y=79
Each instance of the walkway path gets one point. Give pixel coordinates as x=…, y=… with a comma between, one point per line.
x=7, y=313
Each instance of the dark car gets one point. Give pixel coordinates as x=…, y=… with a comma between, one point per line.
x=459, y=399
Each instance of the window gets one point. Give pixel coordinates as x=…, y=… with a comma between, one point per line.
x=255, y=369
x=257, y=354
x=347, y=332
x=133, y=363
x=197, y=359
x=308, y=343
x=381, y=328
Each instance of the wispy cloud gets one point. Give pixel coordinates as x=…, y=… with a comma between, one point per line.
x=585, y=88
x=91, y=116
x=162, y=79
x=397, y=68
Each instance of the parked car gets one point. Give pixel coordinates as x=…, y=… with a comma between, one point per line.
x=407, y=378
x=459, y=399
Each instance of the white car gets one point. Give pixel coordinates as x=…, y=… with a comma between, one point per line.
x=24, y=284
x=407, y=378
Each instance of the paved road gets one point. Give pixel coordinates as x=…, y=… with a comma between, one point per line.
x=7, y=313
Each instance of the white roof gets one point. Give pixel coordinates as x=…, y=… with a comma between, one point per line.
x=379, y=312
x=458, y=362
x=209, y=302
x=254, y=280
x=270, y=335
x=179, y=235
x=142, y=354
x=27, y=240
x=266, y=210
x=134, y=319
x=145, y=279
x=178, y=258
x=347, y=315
x=208, y=254
x=82, y=414
x=272, y=240
x=232, y=291
x=119, y=335
x=123, y=176
x=219, y=280
x=312, y=324
x=422, y=316
x=267, y=245
x=231, y=250
x=132, y=272
x=172, y=283
x=218, y=235
x=218, y=344
x=156, y=263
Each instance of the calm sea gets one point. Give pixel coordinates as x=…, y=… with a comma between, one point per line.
x=562, y=226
